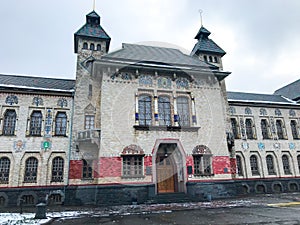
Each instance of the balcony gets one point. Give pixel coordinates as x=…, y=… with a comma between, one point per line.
x=89, y=136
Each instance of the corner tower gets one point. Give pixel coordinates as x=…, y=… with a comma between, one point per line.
x=207, y=50
x=91, y=37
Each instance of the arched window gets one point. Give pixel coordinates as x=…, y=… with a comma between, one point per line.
x=9, y=123
x=286, y=165
x=254, y=165
x=279, y=129
x=239, y=165
x=4, y=170
x=145, y=110
x=210, y=59
x=85, y=45
x=183, y=111
x=235, y=129
x=294, y=129
x=57, y=169
x=92, y=46
x=36, y=123
x=98, y=47
x=61, y=124
x=264, y=129
x=216, y=59
x=87, y=170
x=205, y=58
x=31, y=168
x=249, y=129
x=270, y=165
x=164, y=110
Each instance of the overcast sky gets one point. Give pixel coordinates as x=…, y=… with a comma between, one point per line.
x=261, y=37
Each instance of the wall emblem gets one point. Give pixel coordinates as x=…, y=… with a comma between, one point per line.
x=164, y=82
x=278, y=112
x=232, y=110
x=46, y=144
x=248, y=111
x=261, y=146
x=37, y=101
x=11, y=99
x=276, y=146
x=292, y=146
x=263, y=112
x=145, y=80
x=245, y=145
x=19, y=145
x=62, y=102
x=182, y=83
x=292, y=112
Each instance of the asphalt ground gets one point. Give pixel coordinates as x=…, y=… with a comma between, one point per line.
x=259, y=209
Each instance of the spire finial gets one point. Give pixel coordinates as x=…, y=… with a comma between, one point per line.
x=94, y=4
x=200, y=12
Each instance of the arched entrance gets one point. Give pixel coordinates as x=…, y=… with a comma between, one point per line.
x=169, y=166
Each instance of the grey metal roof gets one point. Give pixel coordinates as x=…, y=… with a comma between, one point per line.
x=37, y=83
x=257, y=98
x=156, y=55
x=291, y=90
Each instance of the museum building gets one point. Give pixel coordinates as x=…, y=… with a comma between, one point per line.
x=143, y=124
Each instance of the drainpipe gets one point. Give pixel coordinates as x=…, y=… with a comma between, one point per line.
x=70, y=141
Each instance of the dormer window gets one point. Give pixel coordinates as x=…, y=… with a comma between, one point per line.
x=92, y=47
x=98, y=47
x=205, y=58
x=85, y=45
x=210, y=59
x=215, y=59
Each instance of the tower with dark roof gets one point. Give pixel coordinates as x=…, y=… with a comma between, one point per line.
x=207, y=50
x=91, y=36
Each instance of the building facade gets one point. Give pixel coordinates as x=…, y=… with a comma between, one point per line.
x=142, y=123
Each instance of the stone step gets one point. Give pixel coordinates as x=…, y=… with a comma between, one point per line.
x=170, y=198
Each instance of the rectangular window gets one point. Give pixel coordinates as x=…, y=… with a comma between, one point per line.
x=234, y=127
x=36, y=120
x=249, y=129
x=132, y=166
x=294, y=129
x=145, y=110
x=164, y=111
x=265, y=129
x=202, y=165
x=89, y=122
x=183, y=111
x=279, y=128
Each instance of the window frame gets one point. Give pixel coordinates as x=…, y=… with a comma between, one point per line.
x=31, y=170
x=132, y=166
x=57, y=169
x=235, y=128
x=239, y=166
x=270, y=165
x=254, y=165
x=4, y=169
x=250, y=130
x=164, y=110
x=183, y=110
x=9, y=122
x=294, y=129
x=87, y=123
x=286, y=164
x=36, y=123
x=59, y=122
x=265, y=129
x=87, y=169
x=145, y=115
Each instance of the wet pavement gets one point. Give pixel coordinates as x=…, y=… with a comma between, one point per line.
x=260, y=209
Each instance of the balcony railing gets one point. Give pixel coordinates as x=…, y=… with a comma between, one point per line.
x=88, y=135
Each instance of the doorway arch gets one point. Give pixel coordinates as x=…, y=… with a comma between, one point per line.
x=169, y=166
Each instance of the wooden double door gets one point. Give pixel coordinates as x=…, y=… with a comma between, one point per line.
x=166, y=174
